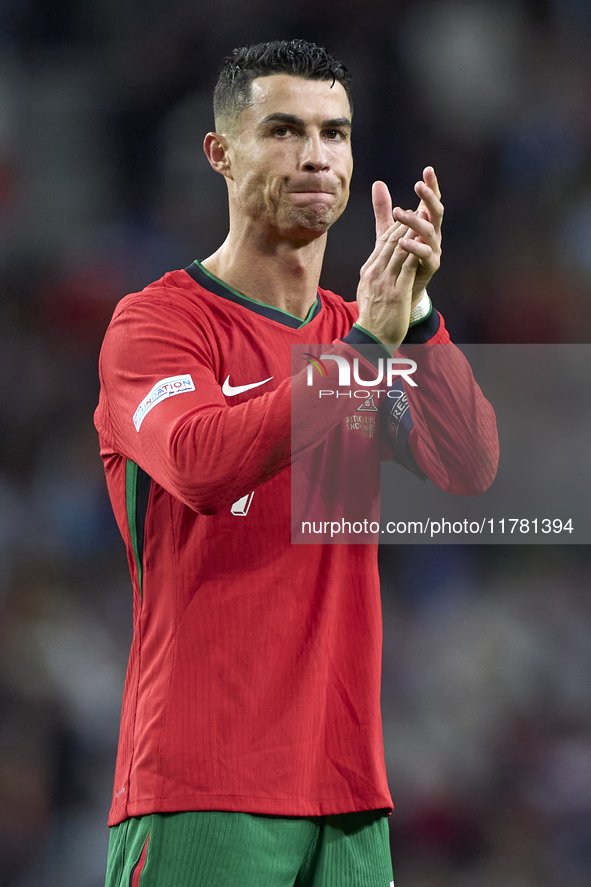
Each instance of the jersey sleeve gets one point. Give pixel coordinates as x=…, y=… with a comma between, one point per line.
x=454, y=437
x=162, y=406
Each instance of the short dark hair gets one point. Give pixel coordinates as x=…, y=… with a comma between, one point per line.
x=299, y=58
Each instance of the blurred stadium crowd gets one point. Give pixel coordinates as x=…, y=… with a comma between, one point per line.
x=103, y=187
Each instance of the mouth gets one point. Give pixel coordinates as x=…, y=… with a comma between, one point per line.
x=313, y=188
x=314, y=195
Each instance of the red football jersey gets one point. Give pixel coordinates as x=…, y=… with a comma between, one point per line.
x=254, y=675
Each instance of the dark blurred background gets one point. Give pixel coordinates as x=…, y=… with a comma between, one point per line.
x=104, y=187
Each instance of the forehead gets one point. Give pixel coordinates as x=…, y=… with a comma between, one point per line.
x=285, y=94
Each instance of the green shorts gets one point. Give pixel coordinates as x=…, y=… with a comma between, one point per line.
x=217, y=849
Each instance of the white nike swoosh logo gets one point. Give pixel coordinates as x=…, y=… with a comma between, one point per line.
x=231, y=390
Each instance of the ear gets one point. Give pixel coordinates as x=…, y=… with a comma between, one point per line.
x=216, y=151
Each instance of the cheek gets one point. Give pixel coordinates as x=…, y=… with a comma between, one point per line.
x=258, y=190
x=260, y=168
x=348, y=167
x=249, y=179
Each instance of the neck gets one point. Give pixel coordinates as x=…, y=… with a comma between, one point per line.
x=281, y=273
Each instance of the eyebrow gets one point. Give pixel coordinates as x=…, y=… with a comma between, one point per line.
x=280, y=117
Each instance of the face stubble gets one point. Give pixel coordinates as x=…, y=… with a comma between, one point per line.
x=280, y=203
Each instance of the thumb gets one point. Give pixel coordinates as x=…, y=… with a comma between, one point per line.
x=382, y=207
x=409, y=269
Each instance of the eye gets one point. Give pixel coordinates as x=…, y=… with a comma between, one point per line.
x=335, y=134
x=281, y=131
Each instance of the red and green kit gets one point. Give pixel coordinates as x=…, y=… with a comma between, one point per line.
x=253, y=681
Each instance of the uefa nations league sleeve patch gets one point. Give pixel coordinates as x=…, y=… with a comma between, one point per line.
x=161, y=390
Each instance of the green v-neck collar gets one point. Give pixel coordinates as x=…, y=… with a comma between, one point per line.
x=212, y=283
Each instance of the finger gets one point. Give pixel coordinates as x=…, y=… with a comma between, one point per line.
x=423, y=227
x=391, y=244
x=411, y=263
x=430, y=200
x=430, y=203
x=382, y=207
x=385, y=245
x=398, y=256
x=422, y=251
x=411, y=235
x=408, y=272
x=430, y=180
x=382, y=258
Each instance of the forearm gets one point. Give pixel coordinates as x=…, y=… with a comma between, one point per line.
x=208, y=453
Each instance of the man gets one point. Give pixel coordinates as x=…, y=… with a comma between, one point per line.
x=250, y=750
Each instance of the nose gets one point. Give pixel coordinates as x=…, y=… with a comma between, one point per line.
x=315, y=155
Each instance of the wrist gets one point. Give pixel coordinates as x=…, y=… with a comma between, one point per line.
x=379, y=335
x=421, y=310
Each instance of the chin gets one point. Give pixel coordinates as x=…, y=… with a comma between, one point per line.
x=315, y=221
